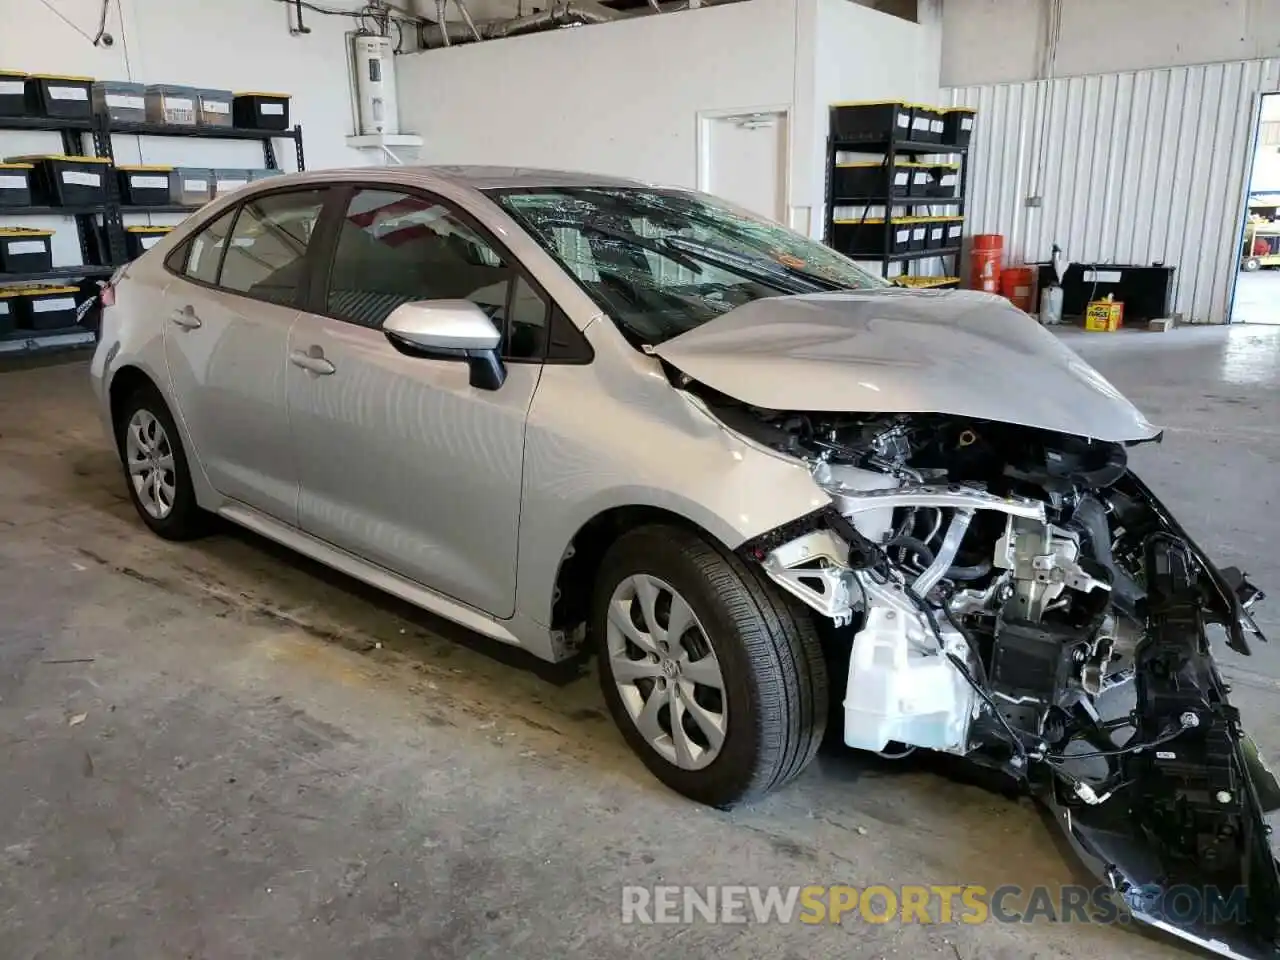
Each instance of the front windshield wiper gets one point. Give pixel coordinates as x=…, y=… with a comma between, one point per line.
x=659, y=247
x=761, y=268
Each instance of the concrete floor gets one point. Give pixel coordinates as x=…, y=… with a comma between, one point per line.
x=259, y=758
x=1257, y=298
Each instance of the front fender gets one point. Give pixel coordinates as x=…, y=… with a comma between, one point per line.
x=651, y=447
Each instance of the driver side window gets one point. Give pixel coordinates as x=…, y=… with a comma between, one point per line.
x=394, y=248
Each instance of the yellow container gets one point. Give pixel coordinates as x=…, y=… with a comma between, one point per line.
x=1104, y=316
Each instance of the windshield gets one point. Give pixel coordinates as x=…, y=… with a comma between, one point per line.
x=662, y=262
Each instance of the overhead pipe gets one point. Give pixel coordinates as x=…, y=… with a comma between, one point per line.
x=562, y=14
x=443, y=23
x=466, y=15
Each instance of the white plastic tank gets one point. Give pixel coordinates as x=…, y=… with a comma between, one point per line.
x=1051, y=305
x=901, y=689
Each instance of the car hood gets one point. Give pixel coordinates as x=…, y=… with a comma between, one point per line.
x=957, y=352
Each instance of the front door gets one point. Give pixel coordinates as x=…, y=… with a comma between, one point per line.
x=402, y=461
x=226, y=335
x=743, y=159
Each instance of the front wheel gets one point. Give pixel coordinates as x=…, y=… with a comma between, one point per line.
x=1252, y=264
x=715, y=677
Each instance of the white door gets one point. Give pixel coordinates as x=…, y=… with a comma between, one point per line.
x=743, y=158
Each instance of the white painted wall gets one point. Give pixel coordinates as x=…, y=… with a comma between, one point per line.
x=862, y=54
x=230, y=44
x=624, y=98
x=1000, y=41
x=234, y=44
x=618, y=98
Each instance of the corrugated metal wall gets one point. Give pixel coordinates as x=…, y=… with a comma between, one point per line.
x=1131, y=167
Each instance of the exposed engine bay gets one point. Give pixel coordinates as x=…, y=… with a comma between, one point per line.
x=1018, y=597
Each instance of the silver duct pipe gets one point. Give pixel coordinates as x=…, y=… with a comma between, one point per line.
x=466, y=16
x=442, y=22
x=556, y=15
x=559, y=14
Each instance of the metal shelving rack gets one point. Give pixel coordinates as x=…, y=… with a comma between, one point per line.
x=892, y=149
x=87, y=275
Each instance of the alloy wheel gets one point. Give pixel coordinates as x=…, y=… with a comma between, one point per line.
x=666, y=672
x=149, y=459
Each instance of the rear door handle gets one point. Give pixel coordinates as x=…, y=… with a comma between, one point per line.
x=186, y=318
x=315, y=364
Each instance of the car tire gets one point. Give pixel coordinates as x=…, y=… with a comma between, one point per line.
x=145, y=411
x=773, y=701
x=1252, y=264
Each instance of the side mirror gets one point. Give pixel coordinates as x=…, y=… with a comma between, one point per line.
x=449, y=330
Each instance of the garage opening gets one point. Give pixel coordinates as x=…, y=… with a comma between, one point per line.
x=1257, y=298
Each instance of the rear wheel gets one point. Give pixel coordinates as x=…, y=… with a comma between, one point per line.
x=714, y=676
x=1252, y=264
x=155, y=466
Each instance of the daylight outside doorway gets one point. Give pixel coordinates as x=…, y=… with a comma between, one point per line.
x=1257, y=297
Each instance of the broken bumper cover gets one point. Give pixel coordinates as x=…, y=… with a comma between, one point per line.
x=1182, y=839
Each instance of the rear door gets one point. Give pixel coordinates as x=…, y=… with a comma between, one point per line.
x=226, y=343
x=401, y=460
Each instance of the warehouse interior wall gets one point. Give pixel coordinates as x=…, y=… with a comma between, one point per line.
x=584, y=113
x=865, y=54
x=1140, y=167
x=1008, y=41
x=230, y=44
x=562, y=99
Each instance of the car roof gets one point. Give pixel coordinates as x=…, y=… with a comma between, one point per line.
x=474, y=177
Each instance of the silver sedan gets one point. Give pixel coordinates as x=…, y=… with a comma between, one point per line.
x=573, y=412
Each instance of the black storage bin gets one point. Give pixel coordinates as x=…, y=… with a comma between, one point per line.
x=66, y=98
x=946, y=180
x=919, y=238
x=871, y=121
x=23, y=250
x=47, y=308
x=955, y=231
x=97, y=249
x=122, y=102
x=920, y=115
x=138, y=240
x=13, y=94
x=865, y=238
x=927, y=124
x=68, y=181
x=261, y=111
x=8, y=309
x=921, y=180
x=958, y=125
x=15, y=184
x=144, y=186
x=871, y=179
x=936, y=235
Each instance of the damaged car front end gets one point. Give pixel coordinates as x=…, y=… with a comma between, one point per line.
x=1005, y=589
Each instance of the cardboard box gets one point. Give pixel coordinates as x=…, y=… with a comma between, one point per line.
x=1104, y=316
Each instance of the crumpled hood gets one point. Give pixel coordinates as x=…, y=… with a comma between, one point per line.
x=956, y=352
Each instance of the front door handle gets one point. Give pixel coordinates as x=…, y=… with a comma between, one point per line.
x=186, y=318
x=314, y=362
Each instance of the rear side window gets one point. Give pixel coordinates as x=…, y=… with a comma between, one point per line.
x=266, y=258
x=206, y=249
